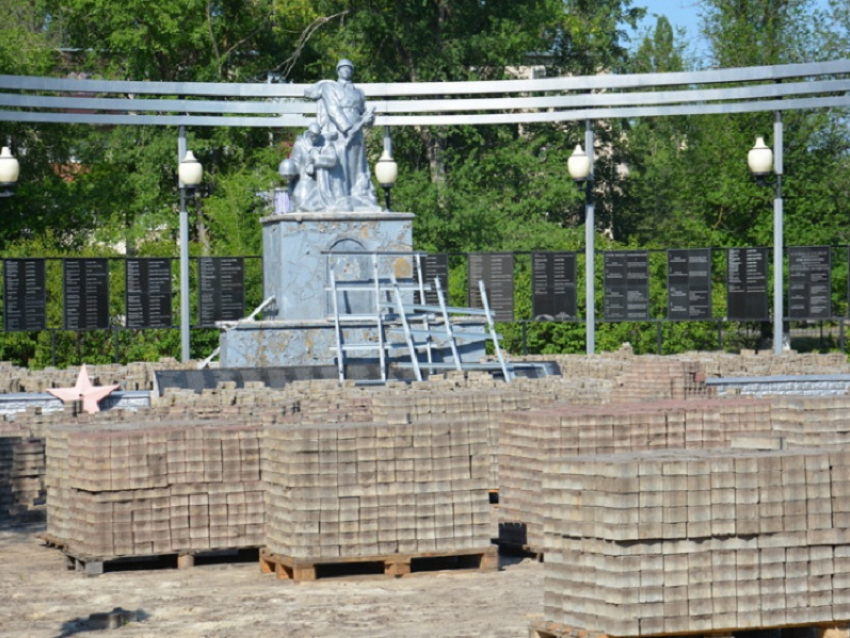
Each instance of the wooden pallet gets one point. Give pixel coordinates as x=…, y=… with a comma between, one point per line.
x=394, y=565
x=95, y=565
x=542, y=629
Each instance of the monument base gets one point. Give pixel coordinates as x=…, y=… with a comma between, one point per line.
x=302, y=343
x=302, y=250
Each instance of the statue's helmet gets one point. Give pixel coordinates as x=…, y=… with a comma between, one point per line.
x=314, y=128
x=344, y=62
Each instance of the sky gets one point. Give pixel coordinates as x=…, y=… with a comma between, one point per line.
x=683, y=13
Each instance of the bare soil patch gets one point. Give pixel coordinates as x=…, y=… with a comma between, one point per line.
x=40, y=598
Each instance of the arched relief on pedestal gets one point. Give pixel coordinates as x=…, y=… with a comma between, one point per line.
x=348, y=268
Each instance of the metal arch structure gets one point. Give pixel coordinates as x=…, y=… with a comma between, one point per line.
x=816, y=85
x=104, y=102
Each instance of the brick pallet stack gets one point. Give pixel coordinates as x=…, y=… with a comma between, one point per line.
x=812, y=421
x=468, y=407
x=351, y=490
x=529, y=438
x=660, y=378
x=27, y=476
x=697, y=541
x=154, y=488
x=21, y=469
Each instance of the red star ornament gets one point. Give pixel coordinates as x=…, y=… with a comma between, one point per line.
x=84, y=391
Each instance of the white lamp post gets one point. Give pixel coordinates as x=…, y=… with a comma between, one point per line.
x=190, y=173
x=10, y=169
x=580, y=167
x=760, y=160
x=386, y=170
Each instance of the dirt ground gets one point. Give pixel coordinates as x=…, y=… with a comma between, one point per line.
x=41, y=598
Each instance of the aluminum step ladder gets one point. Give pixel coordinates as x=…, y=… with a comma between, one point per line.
x=342, y=347
x=452, y=335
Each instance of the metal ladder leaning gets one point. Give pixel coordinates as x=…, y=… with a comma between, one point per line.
x=341, y=346
x=451, y=334
x=391, y=307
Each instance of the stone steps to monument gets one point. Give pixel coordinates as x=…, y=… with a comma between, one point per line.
x=478, y=336
x=377, y=346
x=392, y=565
x=429, y=309
x=451, y=366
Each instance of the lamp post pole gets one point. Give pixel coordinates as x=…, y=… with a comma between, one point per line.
x=589, y=248
x=184, y=256
x=778, y=239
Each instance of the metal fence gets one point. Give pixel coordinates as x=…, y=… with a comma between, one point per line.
x=651, y=290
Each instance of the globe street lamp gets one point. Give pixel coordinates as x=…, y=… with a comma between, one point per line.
x=288, y=171
x=386, y=170
x=10, y=169
x=760, y=160
x=190, y=173
x=580, y=167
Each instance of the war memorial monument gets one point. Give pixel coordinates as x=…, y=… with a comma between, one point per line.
x=667, y=495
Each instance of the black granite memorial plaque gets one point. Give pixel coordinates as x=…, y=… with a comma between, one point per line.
x=626, y=285
x=553, y=293
x=746, y=284
x=86, y=288
x=496, y=270
x=689, y=284
x=148, y=293
x=809, y=282
x=221, y=290
x=435, y=266
x=24, y=295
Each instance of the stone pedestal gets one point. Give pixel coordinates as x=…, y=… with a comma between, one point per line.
x=300, y=253
x=297, y=263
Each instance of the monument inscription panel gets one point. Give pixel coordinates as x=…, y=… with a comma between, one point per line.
x=553, y=286
x=496, y=270
x=626, y=275
x=435, y=266
x=809, y=282
x=24, y=295
x=86, y=287
x=148, y=293
x=221, y=290
x=689, y=284
x=746, y=284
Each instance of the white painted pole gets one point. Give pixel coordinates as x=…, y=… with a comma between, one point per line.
x=589, y=248
x=184, y=256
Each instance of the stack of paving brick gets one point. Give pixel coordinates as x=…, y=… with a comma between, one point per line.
x=529, y=438
x=609, y=365
x=483, y=408
x=27, y=476
x=22, y=470
x=652, y=378
x=684, y=542
x=154, y=488
x=364, y=489
x=812, y=421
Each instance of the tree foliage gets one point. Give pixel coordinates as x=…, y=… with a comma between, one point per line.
x=94, y=190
